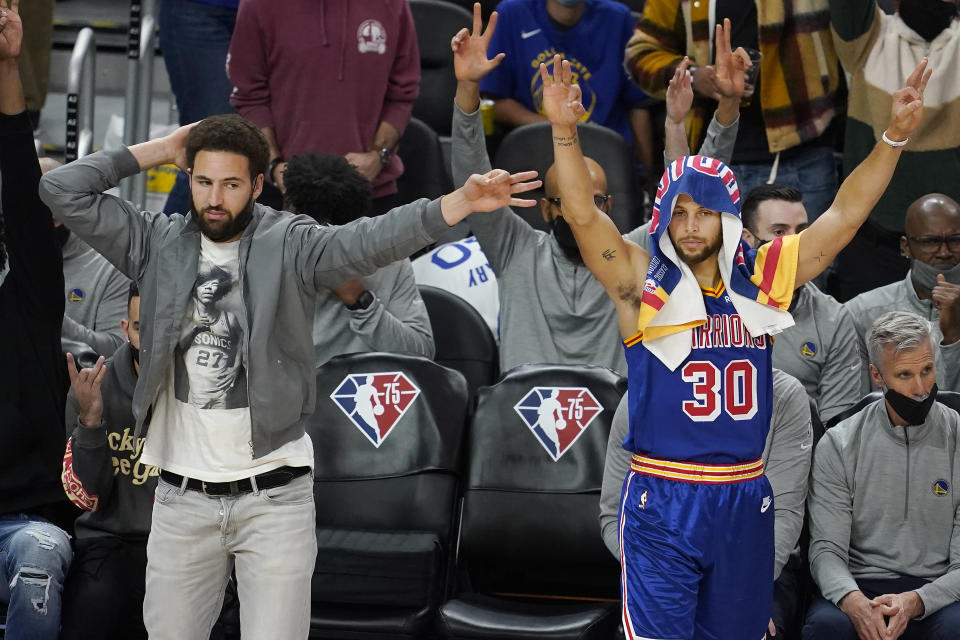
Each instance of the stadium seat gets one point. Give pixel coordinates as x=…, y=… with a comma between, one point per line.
x=949, y=398
x=437, y=22
x=530, y=544
x=870, y=398
x=386, y=494
x=425, y=173
x=462, y=337
x=531, y=147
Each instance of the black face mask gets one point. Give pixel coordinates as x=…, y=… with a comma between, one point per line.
x=913, y=411
x=563, y=234
x=927, y=17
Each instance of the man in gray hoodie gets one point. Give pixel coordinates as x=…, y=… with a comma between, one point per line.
x=884, y=509
x=235, y=485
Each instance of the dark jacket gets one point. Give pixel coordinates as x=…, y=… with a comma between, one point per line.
x=33, y=385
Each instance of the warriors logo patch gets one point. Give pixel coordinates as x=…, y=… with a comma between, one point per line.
x=557, y=416
x=941, y=488
x=76, y=295
x=375, y=402
x=808, y=349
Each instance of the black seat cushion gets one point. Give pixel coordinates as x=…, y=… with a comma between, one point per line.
x=473, y=616
x=363, y=622
x=400, y=568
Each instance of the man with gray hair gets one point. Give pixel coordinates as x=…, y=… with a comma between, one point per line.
x=884, y=519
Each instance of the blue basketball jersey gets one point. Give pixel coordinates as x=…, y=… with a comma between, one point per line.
x=716, y=406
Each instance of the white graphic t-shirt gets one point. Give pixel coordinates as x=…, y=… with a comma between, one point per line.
x=201, y=422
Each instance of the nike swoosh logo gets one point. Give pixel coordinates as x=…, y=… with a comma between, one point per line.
x=804, y=447
x=529, y=34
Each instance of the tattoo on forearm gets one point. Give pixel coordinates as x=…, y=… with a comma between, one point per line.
x=565, y=141
x=609, y=254
x=820, y=257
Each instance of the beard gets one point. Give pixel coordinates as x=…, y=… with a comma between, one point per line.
x=229, y=227
x=711, y=249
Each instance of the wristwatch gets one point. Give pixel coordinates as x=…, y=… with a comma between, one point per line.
x=273, y=167
x=385, y=155
x=363, y=301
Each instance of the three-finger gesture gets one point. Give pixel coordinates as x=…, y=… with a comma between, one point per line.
x=561, y=98
x=731, y=66
x=496, y=189
x=11, y=29
x=470, y=62
x=680, y=93
x=86, y=389
x=906, y=110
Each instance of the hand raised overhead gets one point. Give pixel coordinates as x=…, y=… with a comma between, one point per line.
x=731, y=66
x=679, y=93
x=561, y=97
x=11, y=29
x=470, y=62
x=906, y=110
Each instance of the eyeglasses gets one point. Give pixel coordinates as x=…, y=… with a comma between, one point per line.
x=600, y=200
x=930, y=244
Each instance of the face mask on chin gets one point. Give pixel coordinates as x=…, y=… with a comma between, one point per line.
x=925, y=275
x=927, y=17
x=563, y=234
x=914, y=412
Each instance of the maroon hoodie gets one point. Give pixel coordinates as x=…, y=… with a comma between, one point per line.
x=325, y=73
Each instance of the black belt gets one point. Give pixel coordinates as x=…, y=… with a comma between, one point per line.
x=270, y=479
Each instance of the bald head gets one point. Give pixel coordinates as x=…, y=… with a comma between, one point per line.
x=931, y=218
x=598, y=179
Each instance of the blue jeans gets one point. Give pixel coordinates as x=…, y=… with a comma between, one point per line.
x=813, y=171
x=34, y=558
x=825, y=621
x=195, y=540
x=195, y=38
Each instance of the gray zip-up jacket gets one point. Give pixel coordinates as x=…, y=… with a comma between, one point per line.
x=284, y=261
x=96, y=295
x=901, y=296
x=883, y=503
x=786, y=460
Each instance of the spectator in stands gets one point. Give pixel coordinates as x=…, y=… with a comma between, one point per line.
x=103, y=475
x=786, y=463
x=870, y=44
x=195, y=38
x=95, y=291
x=784, y=133
x=821, y=349
x=380, y=312
x=462, y=268
x=884, y=531
x=245, y=468
x=35, y=552
x=932, y=285
x=594, y=34
x=334, y=77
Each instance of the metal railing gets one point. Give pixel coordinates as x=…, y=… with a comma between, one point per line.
x=81, y=95
x=136, y=122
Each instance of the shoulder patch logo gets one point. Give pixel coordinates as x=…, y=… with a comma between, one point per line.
x=372, y=37
x=808, y=349
x=75, y=295
x=941, y=488
x=375, y=402
x=557, y=416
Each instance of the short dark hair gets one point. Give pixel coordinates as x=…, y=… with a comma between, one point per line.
x=233, y=134
x=134, y=292
x=326, y=187
x=762, y=193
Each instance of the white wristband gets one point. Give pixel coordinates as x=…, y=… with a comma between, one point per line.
x=893, y=143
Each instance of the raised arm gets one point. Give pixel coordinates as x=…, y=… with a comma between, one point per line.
x=858, y=194
x=618, y=264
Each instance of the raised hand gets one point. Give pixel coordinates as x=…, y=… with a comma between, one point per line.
x=731, y=66
x=561, y=98
x=906, y=110
x=470, y=63
x=86, y=389
x=496, y=189
x=679, y=93
x=176, y=148
x=11, y=29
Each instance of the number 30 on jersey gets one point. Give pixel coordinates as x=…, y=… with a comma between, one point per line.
x=733, y=390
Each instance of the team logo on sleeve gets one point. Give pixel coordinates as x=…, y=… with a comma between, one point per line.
x=76, y=295
x=808, y=349
x=941, y=488
x=375, y=402
x=557, y=416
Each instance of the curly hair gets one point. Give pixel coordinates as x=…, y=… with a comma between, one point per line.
x=326, y=187
x=230, y=133
x=210, y=271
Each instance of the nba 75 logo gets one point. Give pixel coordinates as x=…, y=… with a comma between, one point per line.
x=375, y=402
x=558, y=415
